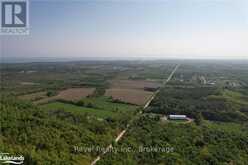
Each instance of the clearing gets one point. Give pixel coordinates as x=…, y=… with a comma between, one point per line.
x=132, y=96
x=134, y=84
x=107, y=104
x=78, y=109
x=33, y=96
x=72, y=94
x=100, y=107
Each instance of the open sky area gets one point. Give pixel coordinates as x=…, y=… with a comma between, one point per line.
x=145, y=29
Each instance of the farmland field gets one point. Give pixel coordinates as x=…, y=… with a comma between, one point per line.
x=134, y=84
x=33, y=96
x=132, y=96
x=73, y=94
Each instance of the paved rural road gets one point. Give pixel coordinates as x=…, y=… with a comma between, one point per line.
x=120, y=135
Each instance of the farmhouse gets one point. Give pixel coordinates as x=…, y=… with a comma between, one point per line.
x=178, y=117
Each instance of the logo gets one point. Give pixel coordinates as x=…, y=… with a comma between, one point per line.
x=6, y=158
x=14, y=17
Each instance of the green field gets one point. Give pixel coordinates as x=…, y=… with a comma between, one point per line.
x=77, y=109
x=101, y=107
x=106, y=104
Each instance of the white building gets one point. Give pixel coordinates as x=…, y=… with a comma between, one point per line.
x=178, y=117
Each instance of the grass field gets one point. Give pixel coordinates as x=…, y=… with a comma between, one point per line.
x=101, y=107
x=106, y=104
x=78, y=109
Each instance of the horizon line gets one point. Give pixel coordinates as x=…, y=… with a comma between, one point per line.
x=81, y=59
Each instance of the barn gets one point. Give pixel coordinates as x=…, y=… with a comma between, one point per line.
x=178, y=117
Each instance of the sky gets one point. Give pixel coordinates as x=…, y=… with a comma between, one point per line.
x=143, y=29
